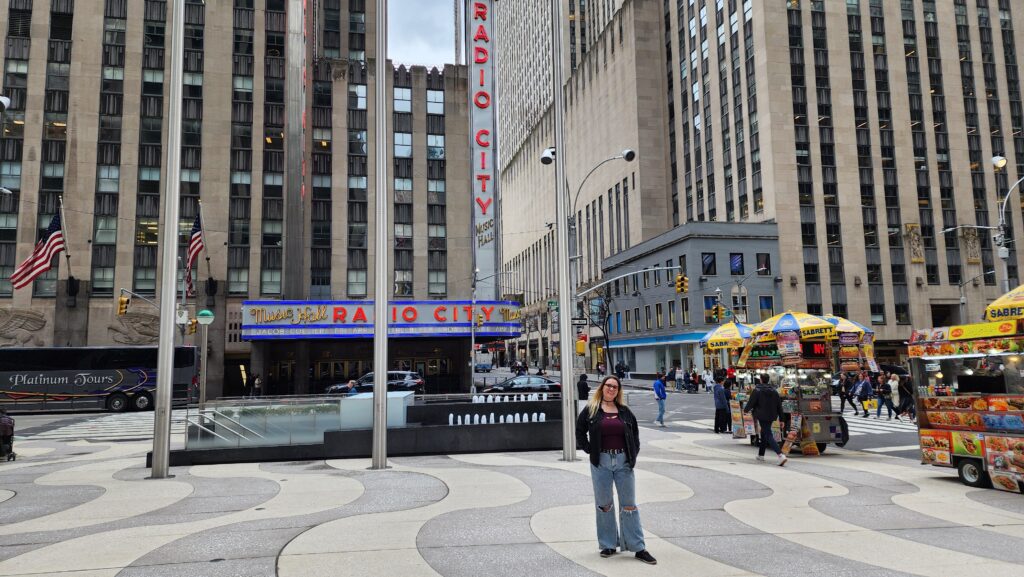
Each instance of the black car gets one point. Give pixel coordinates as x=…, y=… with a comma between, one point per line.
x=526, y=384
x=397, y=381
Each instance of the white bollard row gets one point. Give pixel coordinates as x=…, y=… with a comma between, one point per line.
x=510, y=398
x=476, y=419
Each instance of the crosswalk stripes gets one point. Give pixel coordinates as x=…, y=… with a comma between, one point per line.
x=114, y=427
x=857, y=425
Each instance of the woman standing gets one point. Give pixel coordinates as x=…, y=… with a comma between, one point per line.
x=607, y=431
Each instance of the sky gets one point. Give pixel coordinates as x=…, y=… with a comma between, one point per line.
x=421, y=32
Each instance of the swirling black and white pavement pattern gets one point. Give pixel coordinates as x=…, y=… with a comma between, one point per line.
x=87, y=509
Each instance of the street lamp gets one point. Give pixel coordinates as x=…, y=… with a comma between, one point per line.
x=999, y=162
x=963, y=295
x=205, y=318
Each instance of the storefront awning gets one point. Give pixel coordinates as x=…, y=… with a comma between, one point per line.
x=680, y=339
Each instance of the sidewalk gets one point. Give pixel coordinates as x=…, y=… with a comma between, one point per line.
x=87, y=510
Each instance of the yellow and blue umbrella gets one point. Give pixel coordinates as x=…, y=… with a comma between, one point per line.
x=728, y=336
x=847, y=326
x=1008, y=307
x=809, y=326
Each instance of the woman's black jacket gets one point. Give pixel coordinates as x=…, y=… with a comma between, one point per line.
x=588, y=434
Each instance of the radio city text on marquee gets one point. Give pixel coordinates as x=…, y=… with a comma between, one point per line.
x=354, y=314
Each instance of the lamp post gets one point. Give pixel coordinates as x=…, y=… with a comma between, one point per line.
x=999, y=162
x=169, y=248
x=472, y=335
x=963, y=295
x=379, y=447
x=205, y=318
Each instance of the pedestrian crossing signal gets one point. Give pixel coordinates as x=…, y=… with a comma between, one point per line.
x=122, y=305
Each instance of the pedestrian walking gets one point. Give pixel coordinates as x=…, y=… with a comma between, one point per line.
x=582, y=388
x=257, y=386
x=906, y=392
x=660, y=395
x=765, y=405
x=6, y=436
x=884, y=392
x=670, y=378
x=846, y=385
x=863, y=392
x=607, y=431
x=721, y=408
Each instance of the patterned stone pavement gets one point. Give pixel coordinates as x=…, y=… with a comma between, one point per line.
x=86, y=509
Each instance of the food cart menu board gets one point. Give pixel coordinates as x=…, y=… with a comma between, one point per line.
x=991, y=414
x=1005, y=457
x=935, y=447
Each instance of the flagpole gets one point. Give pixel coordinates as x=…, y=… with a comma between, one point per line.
x=202, y=231
x=64, y=231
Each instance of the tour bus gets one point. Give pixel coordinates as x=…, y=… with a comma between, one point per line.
x=90, y=378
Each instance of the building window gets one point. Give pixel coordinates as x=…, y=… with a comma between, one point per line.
x=736, y=263
x=403, y=144
x=437, y=282
x=657, y=275
x=403, y=283
x=403, y=99
x=764, y=264
x=618, y=322
x=671, y=313
x=272, y=232
x=357, y=96
x=102, y=281
x=108, y=178
x=647, y=316
x=707, y=264
x=435, y=102
x=647, y=278
x=238, y=281
x=659, y=313
x=684, y=310
x=767, y=306
x=878, y=314
x=435, y=146
x=629, y=321
x=145, y=280
x=357, y=283
x=636, y=316
x=357, y=142
x=270, y=281
x=106, y=230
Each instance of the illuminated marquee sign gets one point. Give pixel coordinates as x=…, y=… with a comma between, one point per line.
x=479, y=31
x=268, y=320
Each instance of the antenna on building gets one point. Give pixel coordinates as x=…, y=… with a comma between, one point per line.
x=458, y=31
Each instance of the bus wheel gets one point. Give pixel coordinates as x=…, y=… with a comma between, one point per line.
x=117, y=402
x=972, y=474
x=142, y=402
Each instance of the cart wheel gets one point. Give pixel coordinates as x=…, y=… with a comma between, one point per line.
x=972, y=474
x=822, y=447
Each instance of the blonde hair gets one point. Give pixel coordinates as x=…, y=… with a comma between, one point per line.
x=598, y=395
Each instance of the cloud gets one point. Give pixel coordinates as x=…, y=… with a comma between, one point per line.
x=421, y=32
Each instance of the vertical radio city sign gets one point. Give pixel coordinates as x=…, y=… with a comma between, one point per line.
x=479, y=31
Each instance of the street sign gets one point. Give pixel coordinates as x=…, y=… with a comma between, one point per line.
x=579, y=322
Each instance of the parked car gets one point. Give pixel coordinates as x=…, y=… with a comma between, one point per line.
x=397, y=381
x=526, y=384
x=483, y=367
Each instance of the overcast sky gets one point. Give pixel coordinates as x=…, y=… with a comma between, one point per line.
x=421, y=32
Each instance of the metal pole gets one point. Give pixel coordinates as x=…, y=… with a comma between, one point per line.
x=169, y=246
x=472, y=338
x=565, y=293
x=379, y=450
x=963, y=304
x=202, y=368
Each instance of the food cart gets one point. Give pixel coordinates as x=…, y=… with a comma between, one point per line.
x=796, y=351
x=970, y=400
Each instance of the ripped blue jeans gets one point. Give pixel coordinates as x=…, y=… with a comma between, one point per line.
x=615, y=470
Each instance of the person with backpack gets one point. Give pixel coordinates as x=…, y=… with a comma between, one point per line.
x=6, y=436
x=765, y=405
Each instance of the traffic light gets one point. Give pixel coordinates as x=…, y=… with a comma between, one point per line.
x=714, y=314
x=193, y=325
x=122, y=305
x=679, y=283
x=686, y=284
x=581, y=348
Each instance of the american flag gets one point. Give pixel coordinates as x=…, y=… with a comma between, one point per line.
x=39, y=261
x=195, y=246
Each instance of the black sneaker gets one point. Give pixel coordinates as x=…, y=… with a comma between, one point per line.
x=646, y=557
x=607, y=552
